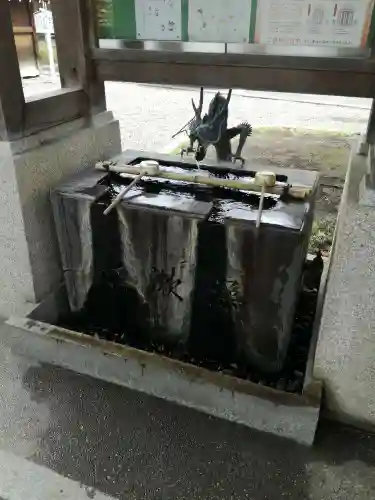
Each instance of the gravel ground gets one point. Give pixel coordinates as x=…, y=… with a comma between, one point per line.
x=150, y=114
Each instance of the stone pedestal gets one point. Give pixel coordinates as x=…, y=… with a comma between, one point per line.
x=30, y=263
x=345, y=357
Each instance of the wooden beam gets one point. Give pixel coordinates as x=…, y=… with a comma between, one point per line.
x=207, y=60
x=11, y=92
x=74, y=38
x=53, y=108
x=304, y=81
x=313, y=75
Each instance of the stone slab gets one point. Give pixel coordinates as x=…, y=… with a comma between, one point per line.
x=31, y=168
x=288, y=415
x=345, y=353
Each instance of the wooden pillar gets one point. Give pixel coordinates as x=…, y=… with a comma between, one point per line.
x=30, y=11
x=370, y=132
x=368, y=148
x=12, y=101
x=74, y=34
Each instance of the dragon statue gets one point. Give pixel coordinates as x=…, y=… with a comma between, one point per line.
x=212, y=129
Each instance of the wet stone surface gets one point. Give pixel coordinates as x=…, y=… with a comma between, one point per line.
x=183, y=265
x=109, y=327
x=184, y=287
x=109, y=305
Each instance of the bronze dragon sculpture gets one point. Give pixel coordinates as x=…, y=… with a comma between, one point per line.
x=212, y=129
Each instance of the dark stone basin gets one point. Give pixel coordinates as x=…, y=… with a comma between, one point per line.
x=184, y=266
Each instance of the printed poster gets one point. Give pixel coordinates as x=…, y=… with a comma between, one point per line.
x=158, y=19
x=329, y=23
x=219, y=21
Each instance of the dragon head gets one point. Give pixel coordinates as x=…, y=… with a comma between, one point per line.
x=217, y=105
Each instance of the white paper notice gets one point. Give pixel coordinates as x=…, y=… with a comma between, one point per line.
x=329, y=23
x=219, y=21
x=158, y=19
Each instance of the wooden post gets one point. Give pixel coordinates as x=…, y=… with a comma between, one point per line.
x=368, y=147
x=30, y=9
x=370, y=132
x=12, y=100
x=74, y=34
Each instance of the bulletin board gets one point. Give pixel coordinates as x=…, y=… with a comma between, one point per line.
x=332, y=23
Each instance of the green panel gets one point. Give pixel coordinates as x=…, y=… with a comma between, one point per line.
x=116, y=19
x=124, y=25
x=185, y=20
x=104, y=18
x=371, y=35
x=105, y=32
x=253, y=19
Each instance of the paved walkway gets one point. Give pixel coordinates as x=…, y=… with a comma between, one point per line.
x=67, y=436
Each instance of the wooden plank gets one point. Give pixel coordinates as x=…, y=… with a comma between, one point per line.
x=352, y=64
x=74, y=38
x=23, y=30
x=11, y=92
x=329, y=82
x=54, y=108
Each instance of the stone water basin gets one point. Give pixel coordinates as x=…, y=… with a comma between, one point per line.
x=184, y=265
x=177, y=295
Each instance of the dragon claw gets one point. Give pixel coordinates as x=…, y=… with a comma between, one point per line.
x=187, y=151
x=240, y=159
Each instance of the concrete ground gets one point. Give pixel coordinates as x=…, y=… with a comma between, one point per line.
x=68, y=436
